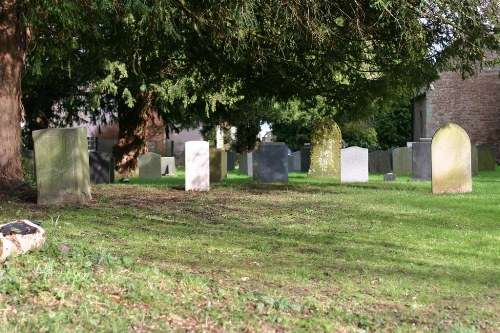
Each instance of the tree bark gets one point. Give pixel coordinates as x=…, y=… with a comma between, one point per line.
x=132, y=133
x=12, y=55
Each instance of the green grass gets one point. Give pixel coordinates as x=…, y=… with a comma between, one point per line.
x=308, y=255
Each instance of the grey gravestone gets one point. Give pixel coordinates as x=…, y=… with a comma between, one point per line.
x=218, y=165
x=379, y=161
x=402, y=161
x=270, y=162
x=246, y=163
x=325, y=150
x=451, y=160
x=305, y=157
x=231, y=160
x=102, y=168
x=168, y=166
x=474, y=160
x=150, y=166
x=197, y=161
x=354, y=165
x=389, y=177
x=486, y=158
x=62, y=166
x=294, y=160
x=421, y=161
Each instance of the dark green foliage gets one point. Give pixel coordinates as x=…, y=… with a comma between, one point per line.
x=394, y=126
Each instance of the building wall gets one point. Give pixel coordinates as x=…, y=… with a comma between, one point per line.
x=473, y=104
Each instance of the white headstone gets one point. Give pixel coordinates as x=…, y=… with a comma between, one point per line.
x=197, y=164
x=354, y=164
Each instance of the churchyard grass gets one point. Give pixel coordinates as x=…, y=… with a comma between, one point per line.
x=308, y=255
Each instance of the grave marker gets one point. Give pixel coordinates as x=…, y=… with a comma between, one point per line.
x=325, y=150
x=149, y=166
x=354, y=165
x=197, y=161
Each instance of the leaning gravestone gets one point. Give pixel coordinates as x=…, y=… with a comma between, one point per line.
x=354, y=165
x=421, y=160
x=486, y=158
x=62, y=166
x=451, y=160
x=102, y=167
x=402, y=161
x=168, y=166
x=246, y=163
x=270, y=162
x=305, y=157
x=218, y=165
x=150, y=166
x=379, y=161
x=197, y=163
x=325, y=150
x=294, y=160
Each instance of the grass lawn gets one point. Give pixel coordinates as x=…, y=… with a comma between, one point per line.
x=307, y=255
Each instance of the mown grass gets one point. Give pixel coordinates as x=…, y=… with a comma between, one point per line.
x=308, y=255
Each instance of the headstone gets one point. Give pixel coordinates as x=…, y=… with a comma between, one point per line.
x=218, y=165
x=486, y=158
x=168, y=166
x=325, y=150
x=474, y=160
x=149, y=166
x=421, y=160
x=305, y=157
x=354, y=165
x=270, y=162
x=246, y=163
x=102, y=167
x=62, y=166
x=402, y=161
x=197, y=161
x=379, y=161
x=231, y=160
x=294, y=160
x=451, y=160
x=219, y=137
x=389, y=177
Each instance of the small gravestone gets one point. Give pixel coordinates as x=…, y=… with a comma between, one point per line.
x=294, y=160
x=218, y=165
x=305, y=157
x=379, y=161
x=197, y=163
x=354, y=165
x=270, y=162
x=246, y=163
x=486, y=158
x=451, y=160
x=168, y=166
x=325, y=150
x=421, y=160
x=150, y=166
x=474, y=161
x=231, y=160
x=102, y=167
x=389, y=177
x=402, y=161
x=62, y=166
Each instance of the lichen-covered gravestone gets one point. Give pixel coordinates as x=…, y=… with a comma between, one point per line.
x=218, y=165
x=62, y=166
x=354, y=165
x=451, y=160
x=325, y=150
x=197, y=164
x=150, y=166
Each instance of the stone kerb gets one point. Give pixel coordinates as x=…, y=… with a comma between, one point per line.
x=62, y=166
x=149, y=166
x=325, y=150
x=354, y=165
x=402, y=161
x=197, y=164
x=451, y=160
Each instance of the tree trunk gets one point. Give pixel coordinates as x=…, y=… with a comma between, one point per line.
x=132, y=133
x=12, y=54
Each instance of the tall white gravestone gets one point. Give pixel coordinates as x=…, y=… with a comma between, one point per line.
x=353, y=165
x=197, y=161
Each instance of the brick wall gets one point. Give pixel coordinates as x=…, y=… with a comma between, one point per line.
x=473, y=104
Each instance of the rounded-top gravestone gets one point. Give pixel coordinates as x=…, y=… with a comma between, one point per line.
x=451, y=160
x=325, y=150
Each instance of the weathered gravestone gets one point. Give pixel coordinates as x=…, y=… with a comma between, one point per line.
x=218, y=165
x=402, y=161
x=451, y=160
x=62, y=166
x=474, y=160
x=486, y=158
x=421, y=160
x=168, y=166
x=231, y=160
x=102, y=167
x=294, y=160
x=149, y=166
x=246, y=163
x=379, y=161
x=305, y=157
x=325, y=150
x=270, y=162
x=197, y=161
x=353, y=164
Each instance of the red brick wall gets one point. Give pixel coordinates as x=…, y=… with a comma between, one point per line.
x=473, y=104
